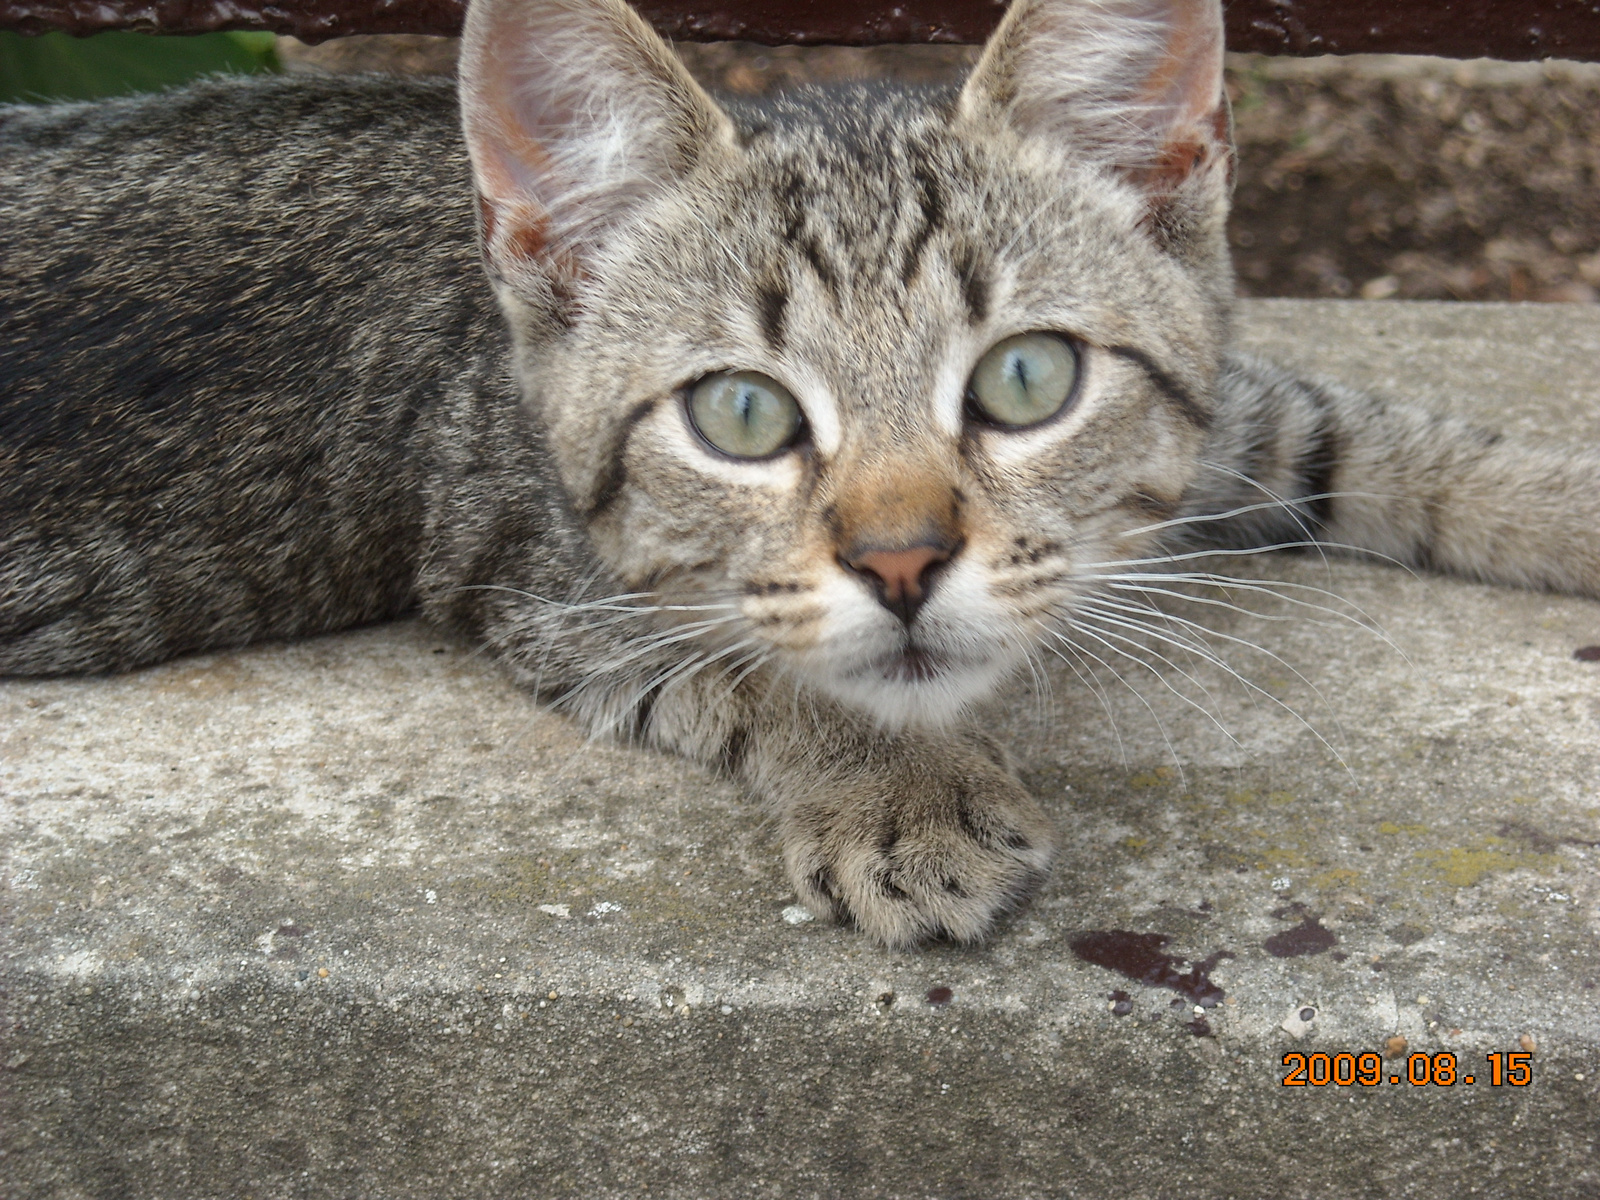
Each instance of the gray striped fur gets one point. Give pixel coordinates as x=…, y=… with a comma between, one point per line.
x=253, y=384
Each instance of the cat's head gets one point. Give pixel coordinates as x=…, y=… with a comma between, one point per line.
x=871, y=382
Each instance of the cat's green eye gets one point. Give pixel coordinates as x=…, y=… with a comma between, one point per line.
x=744, y=414
x=1024, y=379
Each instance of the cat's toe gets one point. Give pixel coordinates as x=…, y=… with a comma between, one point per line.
x=922, y=864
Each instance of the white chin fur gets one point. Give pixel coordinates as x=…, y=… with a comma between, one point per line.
x=856, y=662
x=929, y=703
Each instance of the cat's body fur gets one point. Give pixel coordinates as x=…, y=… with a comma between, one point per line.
x=252, y=385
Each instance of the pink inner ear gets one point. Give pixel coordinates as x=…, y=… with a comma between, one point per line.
x=520, y=234
x=1185, y=89
x=1186, y=84
x=514, y=171
x=572, y=109
x=517, y=235
x=1184, y=154
x=510, y=161
x=522, y=98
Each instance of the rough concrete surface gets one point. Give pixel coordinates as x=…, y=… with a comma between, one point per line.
x=355, y=918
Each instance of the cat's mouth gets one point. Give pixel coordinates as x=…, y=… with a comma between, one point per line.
x=912, y=664
x=913, y=684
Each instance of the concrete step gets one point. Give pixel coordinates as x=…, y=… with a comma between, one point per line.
x=353, y=917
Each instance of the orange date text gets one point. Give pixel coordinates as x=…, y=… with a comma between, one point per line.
x=1505, y=1069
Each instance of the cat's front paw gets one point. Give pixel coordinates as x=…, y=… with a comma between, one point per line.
x=927, y=842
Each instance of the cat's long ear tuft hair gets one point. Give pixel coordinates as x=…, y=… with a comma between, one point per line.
x=574, y=110
x=1133, y=84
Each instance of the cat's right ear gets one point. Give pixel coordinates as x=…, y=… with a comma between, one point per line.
x=574, y=111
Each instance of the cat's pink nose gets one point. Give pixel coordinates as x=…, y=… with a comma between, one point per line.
x=901, y=578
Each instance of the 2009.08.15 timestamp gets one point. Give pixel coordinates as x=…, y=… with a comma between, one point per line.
x=1506, y=1068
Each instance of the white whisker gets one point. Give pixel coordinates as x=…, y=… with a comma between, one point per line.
x=1223, y=665
x=1229, y=514
x=614, y=604
x=1278, y=589
x=1242, y=552
x=1094, y=630
x=1088, y=679
x=1117, y=675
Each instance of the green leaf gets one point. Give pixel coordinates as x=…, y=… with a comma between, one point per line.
x=53, y=66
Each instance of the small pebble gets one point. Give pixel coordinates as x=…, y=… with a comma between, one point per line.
x=1298, y=1023
x=1395, y=1045
x=940, y=996
x=1527, y=1043
x=322, y=972
x=1121, y=1008
x=1587, y=654
x=551, y=996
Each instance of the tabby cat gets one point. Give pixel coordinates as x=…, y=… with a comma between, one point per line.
x=801, y=425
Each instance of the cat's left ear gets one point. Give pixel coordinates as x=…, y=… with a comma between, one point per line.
x=574, y=112
x=1134, y=84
